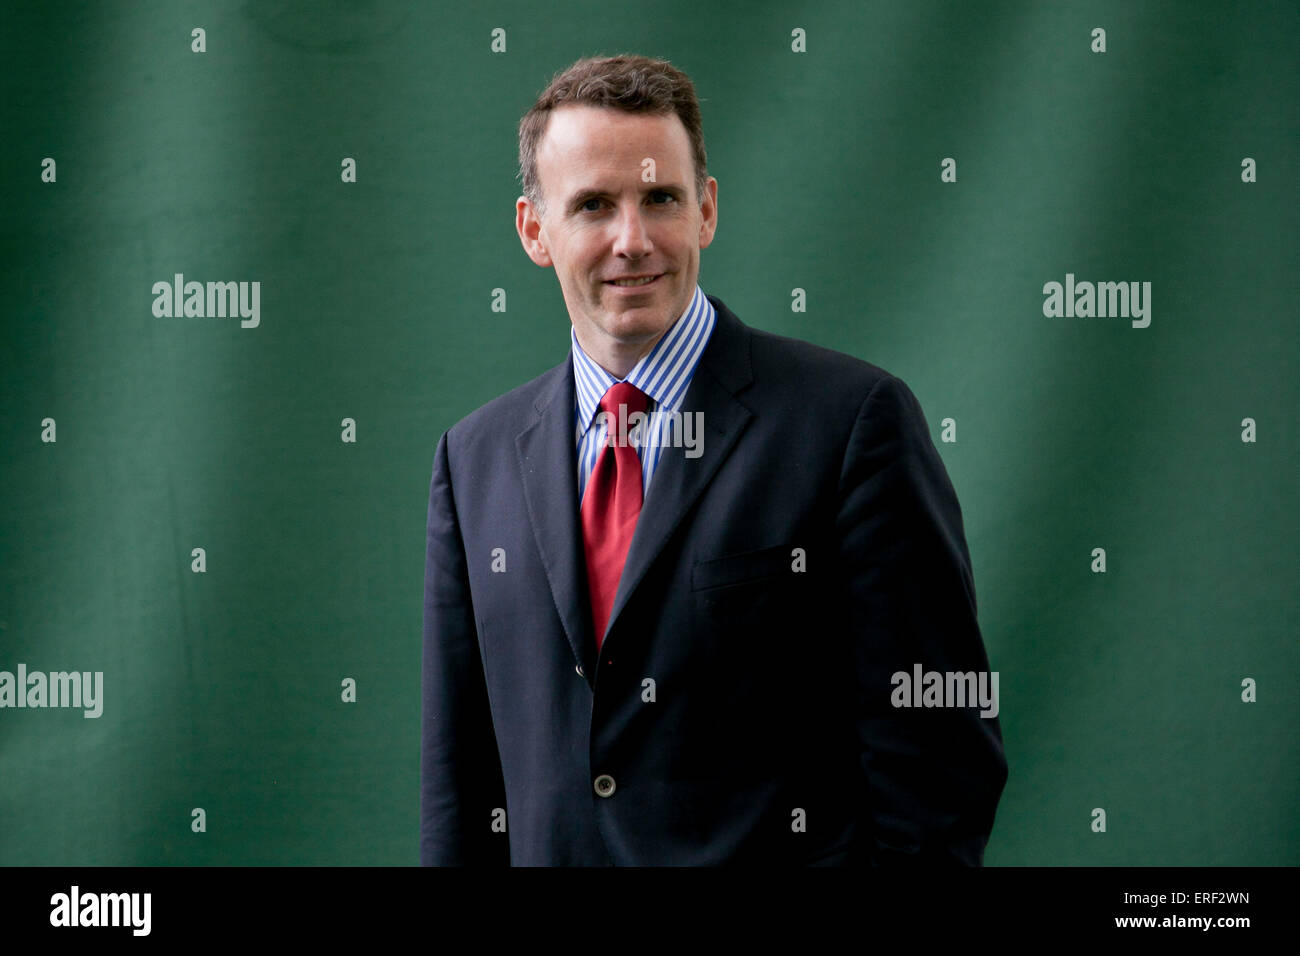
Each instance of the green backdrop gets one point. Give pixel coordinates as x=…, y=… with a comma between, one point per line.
x=827, y=125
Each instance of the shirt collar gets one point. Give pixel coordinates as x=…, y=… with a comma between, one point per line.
x=662, y=374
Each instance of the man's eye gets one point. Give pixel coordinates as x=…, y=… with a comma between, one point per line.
x=586, y=206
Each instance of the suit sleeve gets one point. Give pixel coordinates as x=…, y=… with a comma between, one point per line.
x=460, y=770
x=931, y=776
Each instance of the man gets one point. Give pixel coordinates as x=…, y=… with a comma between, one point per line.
x=672, y=639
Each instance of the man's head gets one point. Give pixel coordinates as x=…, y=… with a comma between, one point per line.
x=615, y=186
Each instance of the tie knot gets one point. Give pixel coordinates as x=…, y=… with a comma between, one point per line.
x=626, y=394
x=623, y=409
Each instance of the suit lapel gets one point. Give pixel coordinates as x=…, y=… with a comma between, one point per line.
x=548, y=464
x=724, y=369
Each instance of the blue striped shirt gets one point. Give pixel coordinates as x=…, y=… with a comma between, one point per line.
x=663, y=375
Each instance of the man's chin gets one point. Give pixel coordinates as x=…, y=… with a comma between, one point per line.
x=634, y=325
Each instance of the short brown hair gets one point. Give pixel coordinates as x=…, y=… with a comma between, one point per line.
x=634, y=84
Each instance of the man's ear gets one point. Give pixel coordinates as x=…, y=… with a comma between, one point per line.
x=529, y=227
x=709, y=213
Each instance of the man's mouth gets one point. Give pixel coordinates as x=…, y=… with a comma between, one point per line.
x=634, y=282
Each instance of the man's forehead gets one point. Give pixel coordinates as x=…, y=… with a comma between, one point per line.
x=600, y=149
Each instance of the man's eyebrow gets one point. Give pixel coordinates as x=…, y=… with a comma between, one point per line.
x=583, y=195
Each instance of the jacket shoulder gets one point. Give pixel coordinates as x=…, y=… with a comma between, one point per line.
x=820, y=379
x=812, y=369
x=806, y=359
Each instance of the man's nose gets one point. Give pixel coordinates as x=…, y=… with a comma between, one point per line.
x=632, y=239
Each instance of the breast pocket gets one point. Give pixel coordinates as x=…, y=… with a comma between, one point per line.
x=755, y=598
x=773, y=565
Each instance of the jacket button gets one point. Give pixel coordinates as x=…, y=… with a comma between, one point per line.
x=580, y=671
x=605, y=785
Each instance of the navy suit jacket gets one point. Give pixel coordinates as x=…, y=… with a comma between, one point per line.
x=740, y=710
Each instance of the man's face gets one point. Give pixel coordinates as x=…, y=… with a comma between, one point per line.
x=603, y=222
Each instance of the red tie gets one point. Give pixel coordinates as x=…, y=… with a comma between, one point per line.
x=611, y=504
